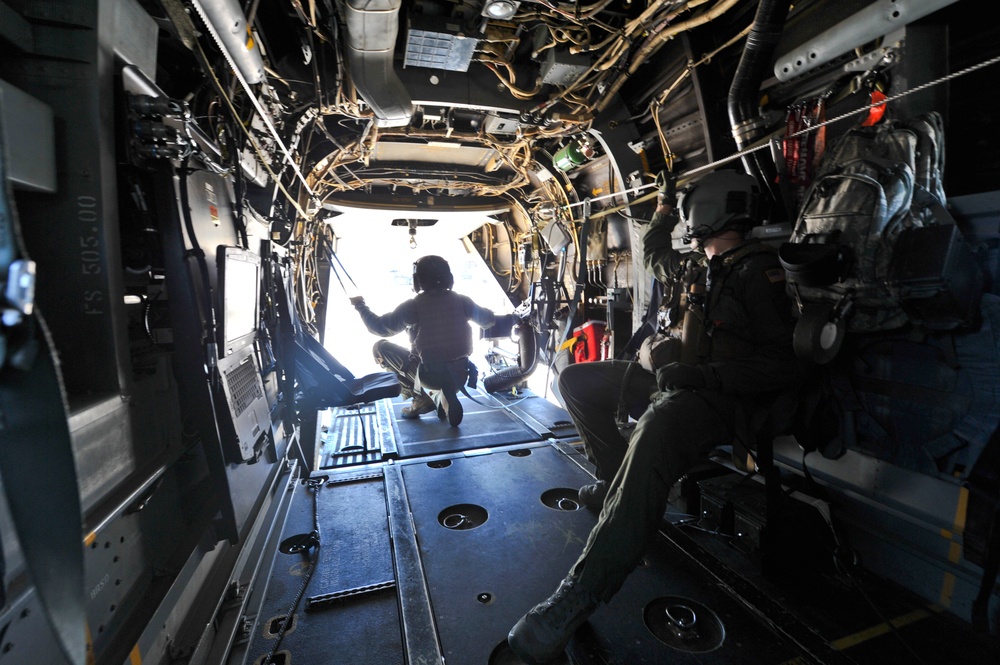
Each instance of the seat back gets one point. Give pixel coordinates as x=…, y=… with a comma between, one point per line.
x=323, y=381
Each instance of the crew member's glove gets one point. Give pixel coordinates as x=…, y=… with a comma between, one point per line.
x=678, y=375
x=503, y=321
x=666, y=182
x=357, y=301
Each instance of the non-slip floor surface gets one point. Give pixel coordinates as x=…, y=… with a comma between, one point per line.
x=522, y=532
x=431, y=553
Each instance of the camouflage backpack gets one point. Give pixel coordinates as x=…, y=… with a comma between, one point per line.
x=863, y=197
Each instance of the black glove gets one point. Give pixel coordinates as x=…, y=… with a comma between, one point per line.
x=678, y=375
x=357, y=301
x=666, y=182
x=502, y=326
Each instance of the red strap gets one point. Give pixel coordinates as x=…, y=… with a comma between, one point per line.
x=877, y=111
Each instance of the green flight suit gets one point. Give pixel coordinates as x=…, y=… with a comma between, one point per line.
x=746, y=360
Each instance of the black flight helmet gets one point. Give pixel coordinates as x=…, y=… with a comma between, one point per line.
x=720, y=201
x=432, y=273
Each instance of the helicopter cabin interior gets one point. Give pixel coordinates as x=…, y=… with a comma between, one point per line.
x=201, y=464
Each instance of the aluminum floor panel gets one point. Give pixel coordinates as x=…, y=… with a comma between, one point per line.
x=494, y=572
x=482, y=427
x=553, y=421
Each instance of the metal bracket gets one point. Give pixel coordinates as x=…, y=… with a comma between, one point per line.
x=877, y=59
x=634, y=179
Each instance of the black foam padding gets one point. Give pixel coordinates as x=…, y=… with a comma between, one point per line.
x=355, y=533
x=522, y=551
x=355, y=552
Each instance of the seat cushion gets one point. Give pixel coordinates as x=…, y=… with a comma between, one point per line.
x=374, y=386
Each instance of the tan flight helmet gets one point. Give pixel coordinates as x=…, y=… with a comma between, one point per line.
x=717, y=202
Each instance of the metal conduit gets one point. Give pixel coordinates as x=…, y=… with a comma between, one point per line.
x=372, y=26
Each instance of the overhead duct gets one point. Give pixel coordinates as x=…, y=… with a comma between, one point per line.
x=372, y=26
x=744, y=94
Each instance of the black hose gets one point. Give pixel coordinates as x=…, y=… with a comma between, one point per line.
x=207, y=304
x=239, y=185
x=744, y=92
x=526, y=361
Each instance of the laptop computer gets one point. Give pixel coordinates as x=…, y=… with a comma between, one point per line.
x=237, y=317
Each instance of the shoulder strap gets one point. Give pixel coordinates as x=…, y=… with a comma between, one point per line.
x=746, y=251
x=735, y=258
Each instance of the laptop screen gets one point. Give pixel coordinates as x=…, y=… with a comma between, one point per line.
x=239, y=277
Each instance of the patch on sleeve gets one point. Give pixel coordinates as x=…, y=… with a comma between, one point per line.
x=775, y=275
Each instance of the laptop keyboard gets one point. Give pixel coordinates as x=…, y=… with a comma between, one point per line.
x=243, y=388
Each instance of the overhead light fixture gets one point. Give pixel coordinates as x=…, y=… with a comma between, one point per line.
x=500, y=9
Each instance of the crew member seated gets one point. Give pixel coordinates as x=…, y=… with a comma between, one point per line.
x=437, y=320
x=707, y=395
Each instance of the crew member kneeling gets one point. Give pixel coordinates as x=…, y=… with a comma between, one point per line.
x=437, y=320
